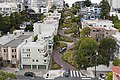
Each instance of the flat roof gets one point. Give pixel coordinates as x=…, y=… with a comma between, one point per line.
x=40, y=44
x=14, y=43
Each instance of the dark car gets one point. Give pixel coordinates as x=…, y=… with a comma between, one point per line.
x=63, y=49
x=30, y=74
x=67, y=73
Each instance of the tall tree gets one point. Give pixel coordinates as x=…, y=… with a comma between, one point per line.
x=87, y=3
x=87, y=53
x=106, y=49
x=105, y=9
x=85, y=32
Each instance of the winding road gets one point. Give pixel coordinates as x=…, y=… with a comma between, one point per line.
x=57, y=55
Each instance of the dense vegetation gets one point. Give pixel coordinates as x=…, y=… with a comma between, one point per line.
x=5, y=75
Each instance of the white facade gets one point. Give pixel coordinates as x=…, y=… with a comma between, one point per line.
x=117, y=38
x=7, y=8
x=107, y=24
x=91, y=13
x=115, y=4
x=35, y=55
x=59, y=4
x=115, y=13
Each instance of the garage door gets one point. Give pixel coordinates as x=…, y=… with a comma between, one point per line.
x=41, y=66
x=26, y=66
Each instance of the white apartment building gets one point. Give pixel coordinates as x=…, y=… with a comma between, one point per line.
x=7, y=8
x=98, y=23
x=115, y=4
x=117, y=39
x=10, y=51
x=59, y=4
x=35, y=55
x=91, y=13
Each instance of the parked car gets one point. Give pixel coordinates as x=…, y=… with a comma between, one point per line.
x=63, y=49
x=30, y=74
x=67, y=73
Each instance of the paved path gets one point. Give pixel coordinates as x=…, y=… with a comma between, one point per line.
x=57, y=55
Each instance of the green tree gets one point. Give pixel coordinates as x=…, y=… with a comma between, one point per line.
x=107, y=48
x=105, y=9
x=86, y=53
x=12, y=20
x=74, y=10
x=116, y=62
x=85, y=32
x=87, y=3
x=109, y=76
x=53, y=7
x=56, y=40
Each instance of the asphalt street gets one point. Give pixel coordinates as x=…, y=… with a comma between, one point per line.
x=20, y=77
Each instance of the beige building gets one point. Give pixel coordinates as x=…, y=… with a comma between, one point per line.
x=98, y=33
x=11, y=50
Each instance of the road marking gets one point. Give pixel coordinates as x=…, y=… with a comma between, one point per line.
x=86, y=78
x=74, y=73
x=71, y=73
x=80, y=74
x=77, y=73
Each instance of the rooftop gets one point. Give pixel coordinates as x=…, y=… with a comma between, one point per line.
x=16, y=41
x=40, y=44
x=116, y=69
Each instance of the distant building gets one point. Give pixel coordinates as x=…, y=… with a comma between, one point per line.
x=7, y=8
x=90, y=13
x=11, y=50
x=116, y=73
x=100, y=29
x=117, y=39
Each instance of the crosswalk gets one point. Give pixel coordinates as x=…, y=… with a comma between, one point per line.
x=76, y=74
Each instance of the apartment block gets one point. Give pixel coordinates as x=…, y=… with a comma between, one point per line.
x=100, y=29
x=10, y=51
x=90, y=13
x=35, y=55
x=7, y=8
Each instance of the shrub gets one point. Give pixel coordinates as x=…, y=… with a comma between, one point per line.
x=74, y=35
x=116, y=62
x=61, y=44
x=109, y=76
x=5, y=75
x=66, y=39
x=56, y=66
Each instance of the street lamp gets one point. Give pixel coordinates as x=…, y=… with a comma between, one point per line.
x=96, y=61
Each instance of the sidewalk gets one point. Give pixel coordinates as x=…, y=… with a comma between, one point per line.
x=16, y=71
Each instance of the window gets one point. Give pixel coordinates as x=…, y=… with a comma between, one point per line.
x=12, y=56
x=49, y=47
x=12, y=50
x=106, y=32
x=44, y=60
x=4, y=50
x=28, y=49
x=15, y=50
x=33, y=60
x=104, y=25
x=15, y=56
x=23, y=50
x=36, y=60
x=93, y=30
